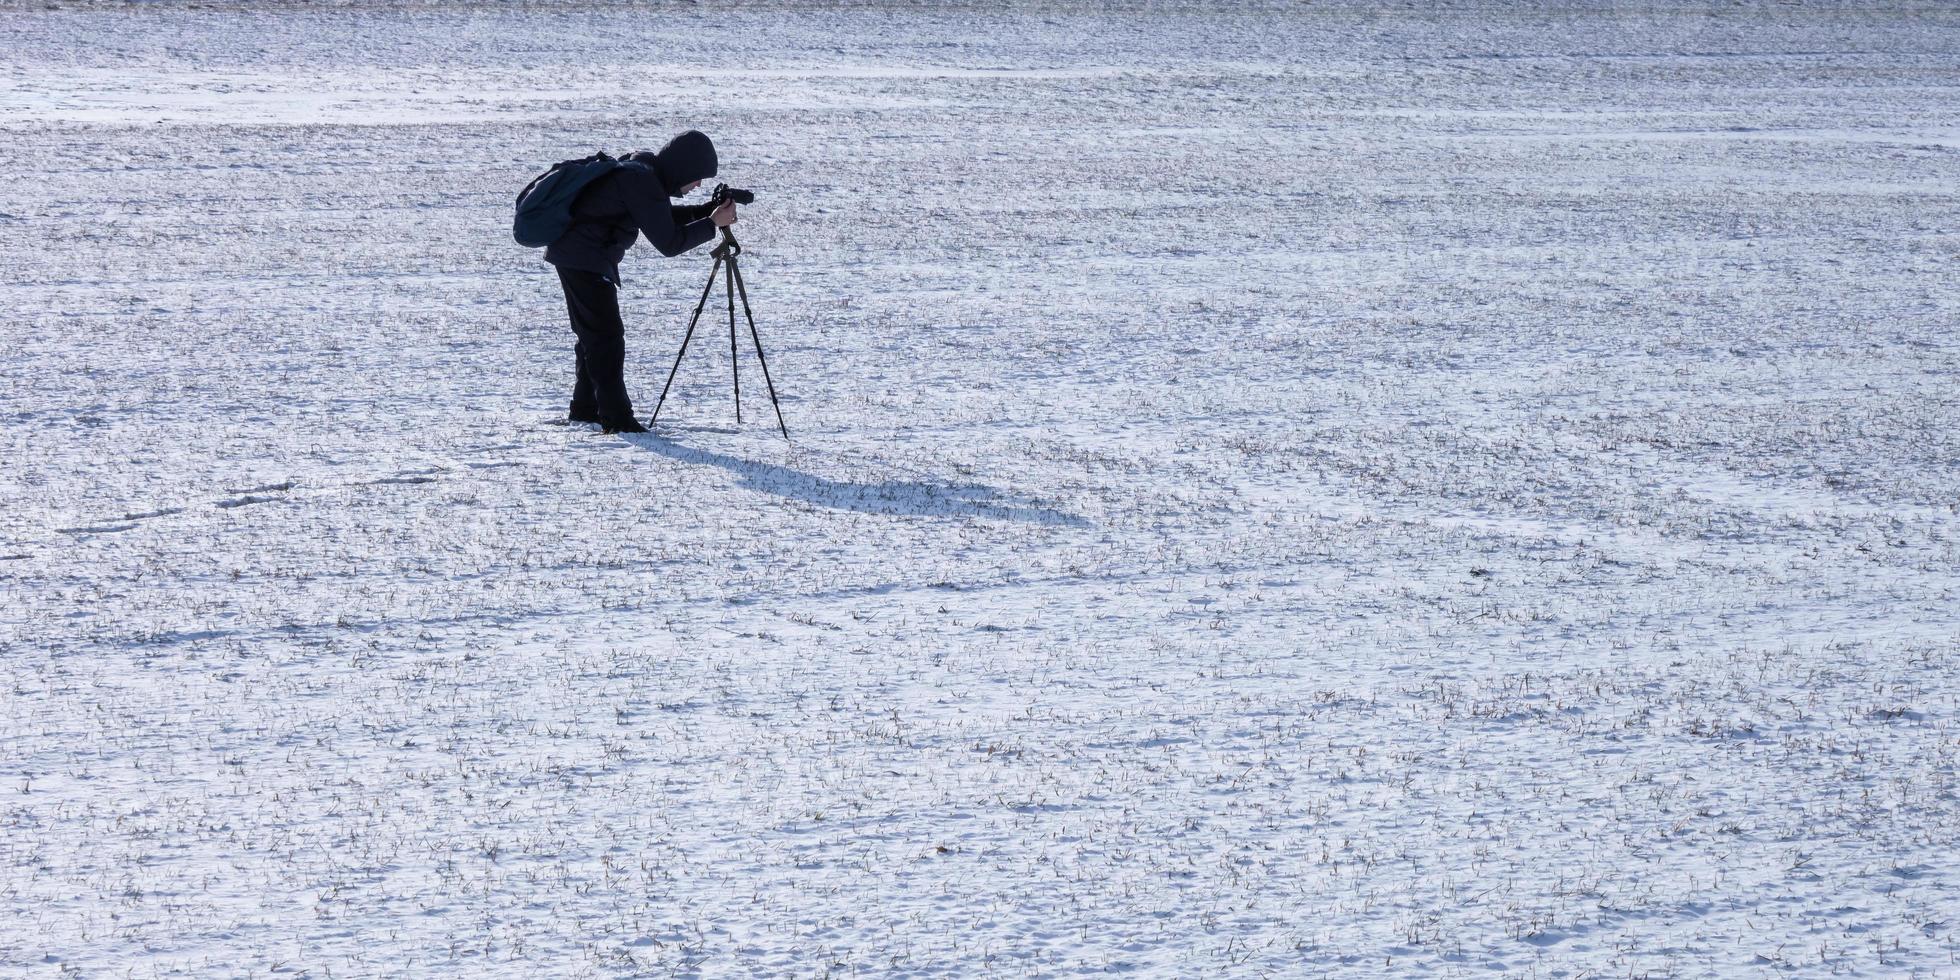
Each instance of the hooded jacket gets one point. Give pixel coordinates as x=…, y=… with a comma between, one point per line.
x=611, y=213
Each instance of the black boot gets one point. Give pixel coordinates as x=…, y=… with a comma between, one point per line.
x=628, y=425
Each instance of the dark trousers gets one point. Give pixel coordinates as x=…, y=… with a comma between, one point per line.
x=600, y=392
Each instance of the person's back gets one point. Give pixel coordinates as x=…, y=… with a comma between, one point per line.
x=608, y=216
x=632, y=201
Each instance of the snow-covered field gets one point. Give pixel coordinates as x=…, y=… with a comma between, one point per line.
x=1298, y=490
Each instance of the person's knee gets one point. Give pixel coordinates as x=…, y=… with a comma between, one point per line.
x=605, y=355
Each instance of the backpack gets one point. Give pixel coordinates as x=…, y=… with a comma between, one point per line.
x=544, y=206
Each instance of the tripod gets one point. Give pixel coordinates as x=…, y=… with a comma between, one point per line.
x=725, y=255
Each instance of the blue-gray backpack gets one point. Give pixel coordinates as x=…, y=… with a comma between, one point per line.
x=544, y=206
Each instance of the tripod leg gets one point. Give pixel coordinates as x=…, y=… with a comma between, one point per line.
x=734, y=363
x=698, y=307
x=736, y=274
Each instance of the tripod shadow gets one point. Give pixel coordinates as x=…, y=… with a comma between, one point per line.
x=902, y=497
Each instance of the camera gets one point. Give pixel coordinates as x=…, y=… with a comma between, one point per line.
x=723, y=192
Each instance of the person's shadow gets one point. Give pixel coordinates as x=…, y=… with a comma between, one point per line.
x=905, y=497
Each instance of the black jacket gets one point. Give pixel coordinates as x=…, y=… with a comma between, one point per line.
x=616, y=209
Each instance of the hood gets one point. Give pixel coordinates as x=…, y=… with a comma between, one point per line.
x=685, y=159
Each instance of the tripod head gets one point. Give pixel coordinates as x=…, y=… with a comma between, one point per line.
x=729, y=247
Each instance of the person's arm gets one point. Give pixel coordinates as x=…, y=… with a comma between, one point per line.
x=659, y=221
x=687, y=214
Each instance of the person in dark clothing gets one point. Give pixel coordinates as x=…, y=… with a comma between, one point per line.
x=608, y=217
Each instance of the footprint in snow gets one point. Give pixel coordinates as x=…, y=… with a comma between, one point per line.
x=99, y=529
x=110, y=528
x=248, y=496
x=408, y=477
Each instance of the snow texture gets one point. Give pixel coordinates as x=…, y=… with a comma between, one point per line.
x=1284, y=490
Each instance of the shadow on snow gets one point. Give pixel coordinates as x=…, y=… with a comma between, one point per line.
x=904, y=497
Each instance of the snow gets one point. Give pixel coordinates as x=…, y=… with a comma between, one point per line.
x=1275, y=490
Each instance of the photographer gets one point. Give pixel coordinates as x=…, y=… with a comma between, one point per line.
x=608, y=216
